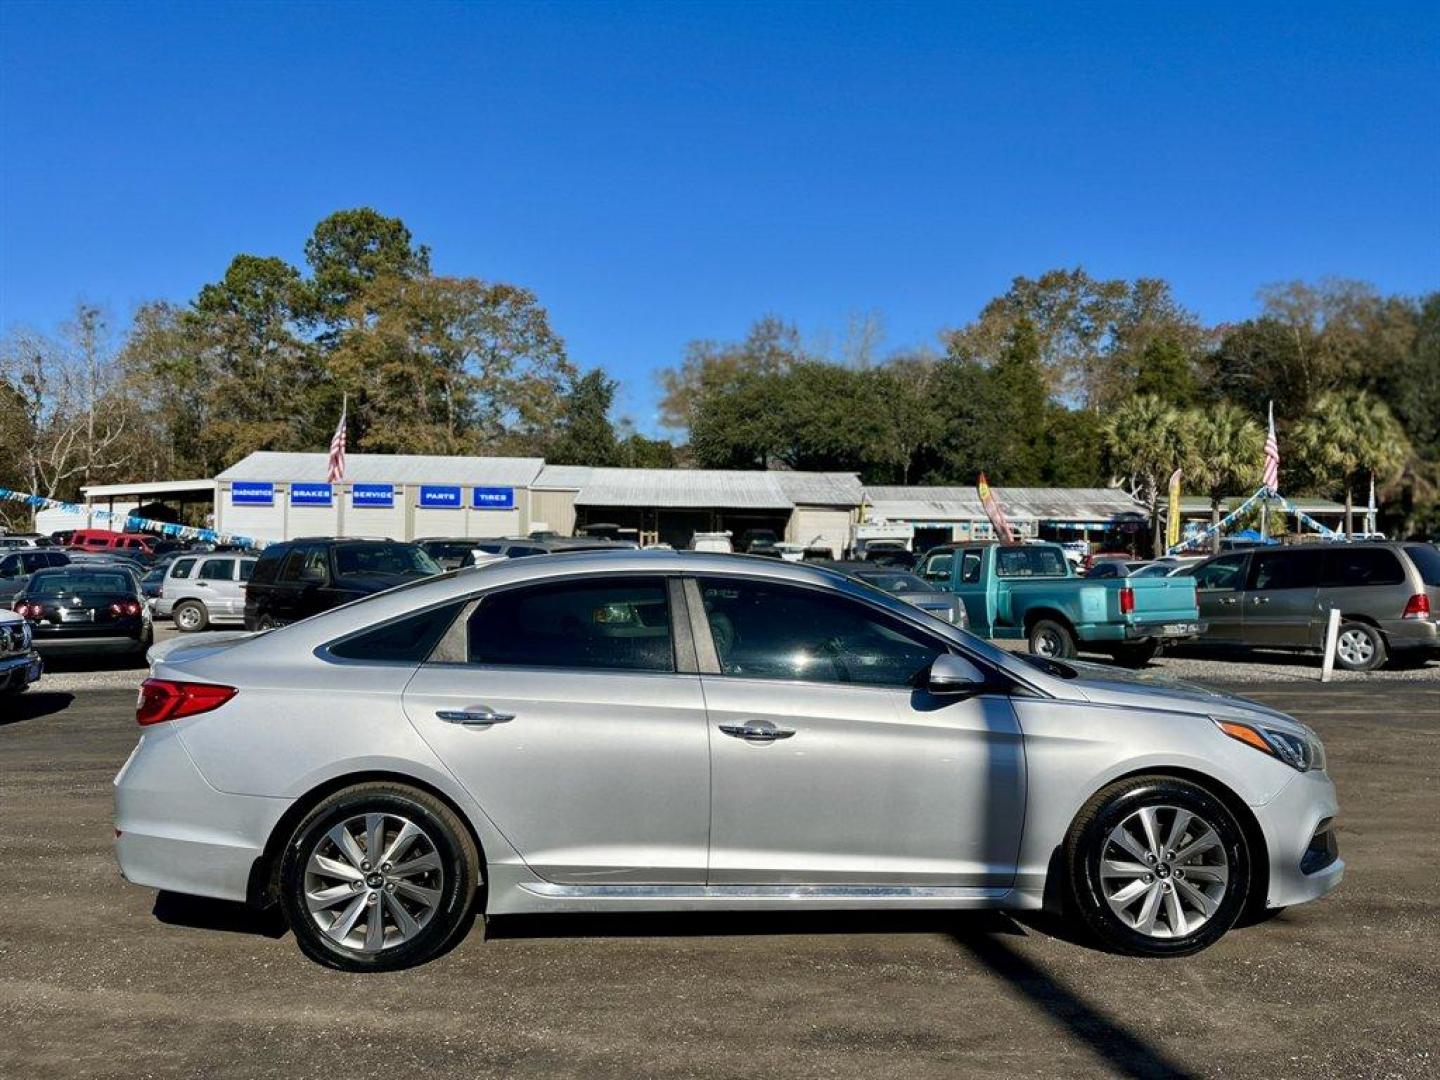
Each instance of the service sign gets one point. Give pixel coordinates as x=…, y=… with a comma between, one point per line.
x=374, y=495
x=310, y=494
x=252, y=493
x=440, y=497
x=493, y=498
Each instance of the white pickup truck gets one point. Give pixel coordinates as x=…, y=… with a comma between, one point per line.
x=19, y=662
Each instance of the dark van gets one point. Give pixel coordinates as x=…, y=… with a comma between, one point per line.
x=298, y=578
x=1388, y=595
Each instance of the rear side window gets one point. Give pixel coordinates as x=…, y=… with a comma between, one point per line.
x=1427, y=561
x=217, y=570
x=1286, y=570
x=267, y=566
x=182, y=568
x=1349, y=567
x=247, y=569
x=409, y=640
x=615, y=623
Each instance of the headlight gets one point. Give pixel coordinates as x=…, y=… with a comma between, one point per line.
x=1302, y=752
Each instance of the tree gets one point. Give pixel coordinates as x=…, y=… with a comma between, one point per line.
x=586, y=435
x=1228, y=455
x=351, y=250
x=901, y=393
x=1347, y=435
x=771, y=347
x=1146, y=439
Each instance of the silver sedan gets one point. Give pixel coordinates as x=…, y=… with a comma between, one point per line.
x=661, y=731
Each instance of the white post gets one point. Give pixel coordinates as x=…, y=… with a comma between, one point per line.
x=1332, y=634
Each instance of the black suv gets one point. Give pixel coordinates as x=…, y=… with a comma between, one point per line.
x=299, y=578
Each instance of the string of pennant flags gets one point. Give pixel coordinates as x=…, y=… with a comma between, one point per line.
x=130, y=522
x=1262, y=493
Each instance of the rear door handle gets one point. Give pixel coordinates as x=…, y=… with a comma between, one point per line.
x=755, y=732
x=1229, y=600
x=1260, y=599
x=475, y=716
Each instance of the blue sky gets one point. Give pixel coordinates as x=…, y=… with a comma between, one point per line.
x=664, y=172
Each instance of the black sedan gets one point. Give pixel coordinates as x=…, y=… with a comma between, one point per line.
x=85, y=609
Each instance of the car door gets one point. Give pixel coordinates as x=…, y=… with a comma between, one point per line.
x=578, y=725
x=827, y=766
x=215, y=585
x=1218, y=590
x=1280, y=596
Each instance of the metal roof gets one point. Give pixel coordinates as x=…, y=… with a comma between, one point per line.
x=562, y=477
x=820, y=489
x=388, y=468
x=148, y=487
x=1019, y=504
x=684, y=489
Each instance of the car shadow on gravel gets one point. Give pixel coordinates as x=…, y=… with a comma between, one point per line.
x=79, y=662
x=32, y=706
x=204, y=913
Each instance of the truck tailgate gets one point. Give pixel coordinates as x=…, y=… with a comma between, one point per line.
x=1157, y=599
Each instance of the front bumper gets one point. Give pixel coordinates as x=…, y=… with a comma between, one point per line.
x=174, y=831
x=160, y=608
x=18, y=672
x=1304, y=861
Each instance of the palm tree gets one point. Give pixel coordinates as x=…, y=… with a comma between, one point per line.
x=1228, y=451
x=1146, y=440
x=1349, y=433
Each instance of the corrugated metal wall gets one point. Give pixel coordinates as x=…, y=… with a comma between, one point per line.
x=556, y=509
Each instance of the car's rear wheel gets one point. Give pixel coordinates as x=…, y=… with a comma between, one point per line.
x=379, y=877
x=1051, y=638
x=1158, y=866
x=190, y=617
x=1359, y=647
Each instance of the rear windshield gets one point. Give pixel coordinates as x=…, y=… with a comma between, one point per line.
x=1030, y=562
x=1427, y=561
x=56, y=582
x=896, y=582
x=439, y=550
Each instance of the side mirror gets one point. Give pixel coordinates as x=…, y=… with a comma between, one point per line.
x=950, y=674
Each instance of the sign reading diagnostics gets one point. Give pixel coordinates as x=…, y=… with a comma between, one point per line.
x=252, y=493
x=493, y=498
x=440, y=497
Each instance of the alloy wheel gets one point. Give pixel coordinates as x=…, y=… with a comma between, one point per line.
x=1164, y=871
x=373, y=882
x=188, y=617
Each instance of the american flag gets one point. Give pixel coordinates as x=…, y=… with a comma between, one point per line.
x=337, y=447
x=1272, y=457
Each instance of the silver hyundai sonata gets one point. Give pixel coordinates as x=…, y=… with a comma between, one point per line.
x=662, y=731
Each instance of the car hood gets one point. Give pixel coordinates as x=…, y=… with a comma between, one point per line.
x=1105, y=685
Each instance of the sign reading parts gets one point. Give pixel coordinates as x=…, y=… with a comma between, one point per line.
x=444, y=497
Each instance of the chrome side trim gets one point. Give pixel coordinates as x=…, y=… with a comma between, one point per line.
x=784, y=892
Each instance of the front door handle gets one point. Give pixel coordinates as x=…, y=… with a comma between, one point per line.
x=755, y=732
x=475, y=716
x=1229, y=600
x=1259, y=599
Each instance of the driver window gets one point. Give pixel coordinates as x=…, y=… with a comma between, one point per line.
x=970, y=568
x=937, y=567
x=764, y=630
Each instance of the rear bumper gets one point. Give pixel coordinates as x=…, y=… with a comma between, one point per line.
x=174, y=831
x=107, y=644
x=1404, y=635
x=18, y=672
x=1173, y=630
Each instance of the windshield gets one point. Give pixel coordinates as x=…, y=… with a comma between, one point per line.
x=60, y=582
x=896, y=582
x=352, y=560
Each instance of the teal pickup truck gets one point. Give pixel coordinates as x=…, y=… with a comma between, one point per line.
x=1029, y=591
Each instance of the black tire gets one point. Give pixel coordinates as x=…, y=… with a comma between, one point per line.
x=1049, y=637
x=193, y=612
x=1087, y=841
x=1136, y=655
x=459, y=876
x=266, y=622
x=1368, y=651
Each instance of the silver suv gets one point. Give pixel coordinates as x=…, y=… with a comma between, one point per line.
x=1388, y=595
x=202, y=589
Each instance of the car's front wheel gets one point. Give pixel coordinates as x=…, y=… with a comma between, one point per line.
x=379, y=877
x=1158, y=866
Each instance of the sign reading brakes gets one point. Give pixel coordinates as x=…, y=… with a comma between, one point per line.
x=252, y=493
x=493, y=498
x=310, y=494
x=440, y=498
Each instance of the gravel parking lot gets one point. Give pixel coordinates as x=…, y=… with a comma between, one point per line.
x=100, y=979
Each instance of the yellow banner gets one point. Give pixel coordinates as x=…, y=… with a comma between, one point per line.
x=1172, y=523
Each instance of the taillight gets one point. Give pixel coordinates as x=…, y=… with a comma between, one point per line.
x=28, y=611
x=161, y=700
x=129, y=607
x=1127, y=600
x=1417, y=607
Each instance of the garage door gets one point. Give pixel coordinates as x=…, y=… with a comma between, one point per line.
x=820, y=528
